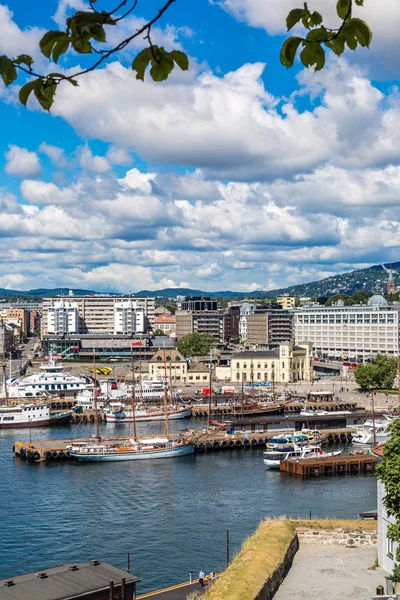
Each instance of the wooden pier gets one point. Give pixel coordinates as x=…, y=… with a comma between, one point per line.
x=353, y=464
x=204, y=442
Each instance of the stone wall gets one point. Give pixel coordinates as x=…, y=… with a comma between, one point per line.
x=338, y=536
x=274, y=580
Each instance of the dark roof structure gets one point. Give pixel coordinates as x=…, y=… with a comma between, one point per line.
x=64, y=582
x=256, y=354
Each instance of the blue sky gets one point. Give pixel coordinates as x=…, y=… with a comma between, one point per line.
x=238, y=174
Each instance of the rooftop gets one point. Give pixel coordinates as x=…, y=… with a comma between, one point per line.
x=64, y=582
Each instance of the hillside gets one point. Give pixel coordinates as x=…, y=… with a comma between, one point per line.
x=370, y=279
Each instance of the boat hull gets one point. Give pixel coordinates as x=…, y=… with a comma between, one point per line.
x=128, y=418
x=50, y=422
x=119, y=456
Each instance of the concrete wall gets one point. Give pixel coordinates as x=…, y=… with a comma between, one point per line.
x=385, y=556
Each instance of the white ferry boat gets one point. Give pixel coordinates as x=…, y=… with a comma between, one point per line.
x=119, y=413
x=145, y=448
x=150, y=390
x=31, y=415
x=52, y=380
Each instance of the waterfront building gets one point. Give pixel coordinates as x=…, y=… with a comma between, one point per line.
x=80, y=581
x=211, y=322
x=354, y=332
x=286, y=301
x=168, y=362
x=198, y=373
x=166, y=323
x=63, y=317
x=128, y=318
x=269, y=327
x=97, y=313
x=283, y=364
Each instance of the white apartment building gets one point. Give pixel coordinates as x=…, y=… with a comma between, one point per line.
x=97, y=313
x=63, y=317
x=128, y=318
x=350, y=331
x=245, y=309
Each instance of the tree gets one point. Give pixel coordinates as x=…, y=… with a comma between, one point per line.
x=380, y=373
x=86, y=31
x=360, y=297
x=333, y=299
x=159, y=332
x=196, y=344
x=388, y=473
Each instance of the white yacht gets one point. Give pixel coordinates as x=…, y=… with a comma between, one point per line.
x=273, y=458
x=365, y=435
x=31, y=415
x=52, y=380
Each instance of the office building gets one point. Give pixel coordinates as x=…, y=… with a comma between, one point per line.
x=128, y=318
x=353, y=332
x=211, y=322
x=286, y=301
x=284, y=364
x=6, y=338
x=20, y=316
x=97, y=313
x=63, y=317
x=231, y=323
x=269, y=327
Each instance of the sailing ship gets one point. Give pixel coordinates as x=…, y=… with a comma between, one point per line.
x=117, y=412
x=135, y=448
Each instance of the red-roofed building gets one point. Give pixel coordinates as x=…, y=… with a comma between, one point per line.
x=165, y=322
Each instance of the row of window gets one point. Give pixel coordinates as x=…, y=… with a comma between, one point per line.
x=344, y=319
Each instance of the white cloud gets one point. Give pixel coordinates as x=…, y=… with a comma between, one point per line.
x=230, y=126
x=118, y=156
x=21, y=162
x=41, y=192
x=92, y=163
x=55, y=154
x=13, y=40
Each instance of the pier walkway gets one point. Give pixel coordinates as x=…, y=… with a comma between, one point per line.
x=175, y=592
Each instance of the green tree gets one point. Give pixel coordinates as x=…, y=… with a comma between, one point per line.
x=380, y=373
x=360, y=297
x=159, y=332
x=195, y=344
x=333, y=299
x=388, y=472
x=86, y=33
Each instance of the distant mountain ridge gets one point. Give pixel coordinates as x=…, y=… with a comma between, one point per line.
x=370, y=279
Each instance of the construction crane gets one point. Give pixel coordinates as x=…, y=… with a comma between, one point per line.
x=390, y=286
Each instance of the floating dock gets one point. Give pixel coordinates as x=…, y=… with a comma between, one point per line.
x=353, y=464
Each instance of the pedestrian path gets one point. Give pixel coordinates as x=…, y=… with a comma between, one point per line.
x=175, y=592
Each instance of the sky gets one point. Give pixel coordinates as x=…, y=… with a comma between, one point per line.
x=238, y=174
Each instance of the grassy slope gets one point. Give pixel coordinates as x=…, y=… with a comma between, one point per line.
x=261, y=553
x=330, y=524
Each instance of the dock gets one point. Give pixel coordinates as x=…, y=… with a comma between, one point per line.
x=352, y=464
x=204, y=442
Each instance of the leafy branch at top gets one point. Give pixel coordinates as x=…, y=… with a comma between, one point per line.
x=351, y=32
x=84, y=30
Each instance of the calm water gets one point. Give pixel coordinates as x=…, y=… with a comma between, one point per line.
x=171, y=515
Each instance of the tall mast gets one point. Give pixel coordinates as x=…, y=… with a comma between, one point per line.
x=242, y=392
x=166, y=396
x=373, y=416
x=4, y=363
x=140, y=372
x=252, y=379
x=133, y=402
x=210, y=392
x=171, y=388
x=96, y=414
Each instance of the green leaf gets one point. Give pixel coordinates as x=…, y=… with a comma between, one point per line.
x=181, y=59
x=25, y=91
x=317, y=35
x=141, y=62
x=361, y=31
x=44, y=92
x=360, y=2
x=319, y=54
x=48, y=40
x=81, y=44
x=294, y=17
x=288, y=51
x=315, y=19
x=161, y=65
x=313, y=54
x=98, y=33
x=342, y=8
x=7, y=70
x=336, y=45
x=60, y=47
x=23, y=59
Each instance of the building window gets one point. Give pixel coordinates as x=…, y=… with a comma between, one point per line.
x=283, y=365
x=265, y=365
x=283, y=376
x=244, y=365
x=258, y=365
x=258, y=375
x=238, y=365
x=238, y=376
x=390, y=549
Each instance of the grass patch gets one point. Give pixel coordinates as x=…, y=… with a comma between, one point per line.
x=331, y=524
x=261, y=553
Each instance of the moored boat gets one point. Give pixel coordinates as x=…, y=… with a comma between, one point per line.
x=144, y=448
x=118, y=413
x=31, y=415
x=273, y=458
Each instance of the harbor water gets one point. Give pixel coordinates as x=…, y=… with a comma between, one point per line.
x=171, y=515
